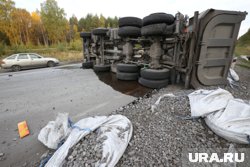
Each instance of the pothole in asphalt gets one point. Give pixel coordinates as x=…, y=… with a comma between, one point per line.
x=132, y=88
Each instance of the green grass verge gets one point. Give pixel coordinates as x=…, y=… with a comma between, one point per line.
x=242, y=50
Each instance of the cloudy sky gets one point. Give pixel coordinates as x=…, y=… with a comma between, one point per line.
x=141, y=8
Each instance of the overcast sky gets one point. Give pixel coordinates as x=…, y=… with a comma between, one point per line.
x=141, y=8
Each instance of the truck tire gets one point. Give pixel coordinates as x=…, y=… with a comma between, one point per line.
x=129, y=68
x=127, y=76
x=153, y=74
x=155, y=84
x=101, y=68
x=87, y=65
x=157, y=29
x=156, y=18
x=100, y=31
x=130, y=21
x=129, y=31
x=85, y=35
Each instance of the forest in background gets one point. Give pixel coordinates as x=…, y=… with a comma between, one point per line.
x=48, y=31
x=44, y=30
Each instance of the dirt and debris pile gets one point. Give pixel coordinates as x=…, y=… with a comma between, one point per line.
x=160, y=136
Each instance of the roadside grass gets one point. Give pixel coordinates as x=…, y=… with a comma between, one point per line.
x=242, y=50
x=64, y=52
x=65, y=56
x=243, y=63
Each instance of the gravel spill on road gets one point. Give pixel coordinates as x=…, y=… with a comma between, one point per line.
x=86, y=152
x=160, y=136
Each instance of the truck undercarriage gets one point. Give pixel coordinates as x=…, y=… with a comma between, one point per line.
x=163, y=49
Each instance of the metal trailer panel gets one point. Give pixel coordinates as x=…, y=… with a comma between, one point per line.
x=217, y=35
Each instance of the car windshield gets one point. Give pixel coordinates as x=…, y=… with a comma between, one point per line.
x=12, y=57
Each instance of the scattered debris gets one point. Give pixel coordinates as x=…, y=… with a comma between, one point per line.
x=23, y=129
x=2, y=156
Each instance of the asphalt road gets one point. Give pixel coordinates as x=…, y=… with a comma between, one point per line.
x=38, y=95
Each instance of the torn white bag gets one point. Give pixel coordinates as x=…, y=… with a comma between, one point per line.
x=226, y=116
x=233, y=123
x=204, y=102
x=55, y=131
x=233, y=75
x=117, y=128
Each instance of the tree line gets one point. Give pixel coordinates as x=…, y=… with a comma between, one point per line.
x=46, y=26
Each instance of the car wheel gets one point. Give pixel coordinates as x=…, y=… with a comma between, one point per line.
x=127, y=76
x=130, y=68
x=51, y=64
x=16, y=68
x=155, y=84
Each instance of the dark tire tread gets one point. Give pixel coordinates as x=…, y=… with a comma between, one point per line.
x=129, y=68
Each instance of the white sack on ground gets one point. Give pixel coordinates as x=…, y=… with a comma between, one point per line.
x=204, y=102
x=233, y=75
x=233, y=123
x=226, y=116
x=117, y=128
x=55, y=131
x=233, y=78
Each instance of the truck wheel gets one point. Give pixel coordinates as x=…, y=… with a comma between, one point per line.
x=87, y=65
x=101, y=68
x=16, y=68
x=157, y=29
x=155, y=84
x=130, y=68
x=129, y=31
x=127, y=76
x=153, y=74
x=130, y=21
x=156, y=18
x=100, y=31
x=85, y=35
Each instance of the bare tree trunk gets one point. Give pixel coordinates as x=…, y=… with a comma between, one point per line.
x=43, y=35
x=27, y=36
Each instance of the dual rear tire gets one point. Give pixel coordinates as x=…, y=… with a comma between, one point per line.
x=101, y=68
x=127, y=72
x=130, y=27
x=154, y=78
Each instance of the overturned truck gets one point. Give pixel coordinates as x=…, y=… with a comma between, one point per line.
x=163, y=49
